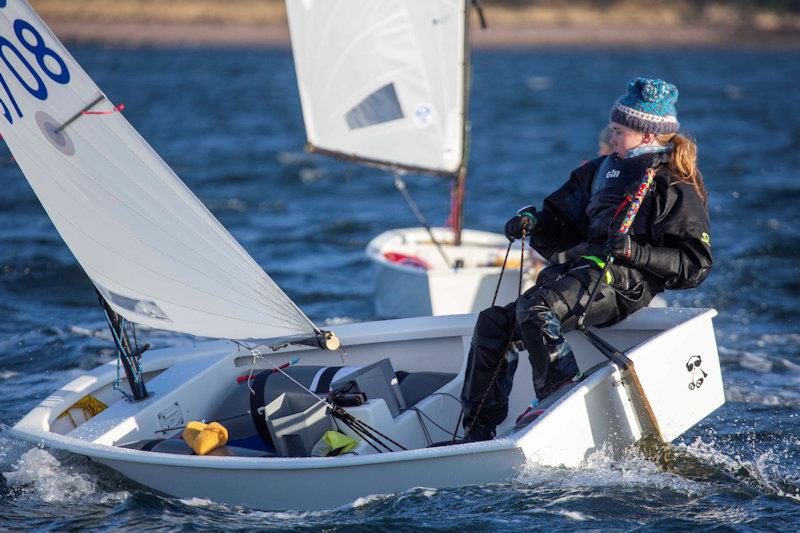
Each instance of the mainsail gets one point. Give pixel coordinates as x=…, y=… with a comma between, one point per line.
x=383, y=81
x=151, y=248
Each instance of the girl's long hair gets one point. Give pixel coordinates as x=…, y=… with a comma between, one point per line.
x=683, y=162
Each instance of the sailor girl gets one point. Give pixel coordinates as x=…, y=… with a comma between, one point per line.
x=667, y=247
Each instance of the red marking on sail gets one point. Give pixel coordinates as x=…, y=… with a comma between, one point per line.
x=117, y=109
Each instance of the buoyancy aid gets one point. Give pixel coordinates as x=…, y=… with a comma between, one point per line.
x=672, y=217
x=614, y=184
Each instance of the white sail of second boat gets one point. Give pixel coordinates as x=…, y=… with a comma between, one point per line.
x=383, y=81
x=157, y=255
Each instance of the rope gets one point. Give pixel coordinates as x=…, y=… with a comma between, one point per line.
x=423, y=426
x=400, y=185
x=257, y=355
x=89, y=405
x=521, y=263
x=502, y=271
x=363, y=436
x=358, y=426
x=503, y=353
x=420, y=412
x=458, y=423
x=361, y=429
x=364, y=426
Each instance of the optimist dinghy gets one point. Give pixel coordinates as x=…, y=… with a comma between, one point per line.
x=386, y=84
x=673, y=349
x=285, y=399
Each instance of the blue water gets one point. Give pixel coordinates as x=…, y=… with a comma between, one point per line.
x=229, y=123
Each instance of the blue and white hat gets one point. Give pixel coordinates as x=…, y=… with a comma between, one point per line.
x=648, y=107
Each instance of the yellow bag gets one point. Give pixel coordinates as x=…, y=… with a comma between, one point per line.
x=333, y=443
x=205, y=438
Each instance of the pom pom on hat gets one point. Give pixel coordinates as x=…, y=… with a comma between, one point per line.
x=649, y=91
x=648, y=106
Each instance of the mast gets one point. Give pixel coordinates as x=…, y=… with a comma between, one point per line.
x=129, y=356
x=456, y=217
x=457, y=193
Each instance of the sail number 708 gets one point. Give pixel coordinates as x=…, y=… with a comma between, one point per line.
x=50, y=63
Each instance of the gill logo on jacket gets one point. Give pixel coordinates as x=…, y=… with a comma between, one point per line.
x=614, y=173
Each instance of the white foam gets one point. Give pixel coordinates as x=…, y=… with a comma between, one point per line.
x=39, y=472
x=765, y=472
x=756, y=363
x=794, y=367
x=87, y=332
x=8, y=374
x=310, y=175
x=749, y=394
x=600, y=468
x=366, y=500
x=336, y=320
x=203, y=502
x=292, y=158
x=575, y=515
x=428, y=493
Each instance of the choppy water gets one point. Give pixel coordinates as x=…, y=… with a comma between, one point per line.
x=229, y=123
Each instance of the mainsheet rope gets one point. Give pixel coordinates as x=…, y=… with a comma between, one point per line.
x=503, y=355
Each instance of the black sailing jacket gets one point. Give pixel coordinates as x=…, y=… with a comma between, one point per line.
x=672, y=221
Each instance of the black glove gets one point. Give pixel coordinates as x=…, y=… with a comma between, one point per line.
x=526, y=218
x=661, y=261
x=624, y=249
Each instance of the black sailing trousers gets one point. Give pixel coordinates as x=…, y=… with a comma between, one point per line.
x=538, y=318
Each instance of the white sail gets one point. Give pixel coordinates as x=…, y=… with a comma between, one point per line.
x=158, y=256
x=383, y=81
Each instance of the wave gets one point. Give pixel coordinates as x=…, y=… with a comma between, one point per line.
x=39, y=475
x=773, y=472
x=695, y=469
x=602, y=469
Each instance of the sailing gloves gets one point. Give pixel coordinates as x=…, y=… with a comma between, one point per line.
x=622, y=247
x=666, y=263
x=525, y=219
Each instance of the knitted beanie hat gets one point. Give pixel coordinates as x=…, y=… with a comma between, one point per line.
x=649, y=106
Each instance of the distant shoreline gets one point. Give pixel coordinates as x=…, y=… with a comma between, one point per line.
x=236, y=34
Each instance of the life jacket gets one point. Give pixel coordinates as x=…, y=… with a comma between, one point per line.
x=614, y=184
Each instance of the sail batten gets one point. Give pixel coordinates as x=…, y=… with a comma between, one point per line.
x=382, y=82
x=154, y=251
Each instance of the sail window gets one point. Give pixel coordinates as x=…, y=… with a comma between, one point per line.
x=379, y=107
x=140, y=307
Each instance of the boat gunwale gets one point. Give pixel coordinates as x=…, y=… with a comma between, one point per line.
x=115, y=453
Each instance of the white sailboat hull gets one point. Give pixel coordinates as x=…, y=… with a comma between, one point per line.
x=406, y=289
x=596, y=413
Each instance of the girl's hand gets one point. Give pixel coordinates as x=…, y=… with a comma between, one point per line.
x=622, y=247
x=524, y=220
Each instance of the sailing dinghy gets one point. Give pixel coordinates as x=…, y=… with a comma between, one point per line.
x=385, y=83
x=275, y=382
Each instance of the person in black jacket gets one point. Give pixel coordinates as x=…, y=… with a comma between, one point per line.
x=667, y=247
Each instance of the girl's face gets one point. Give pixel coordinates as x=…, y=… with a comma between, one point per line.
x=623, y=139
